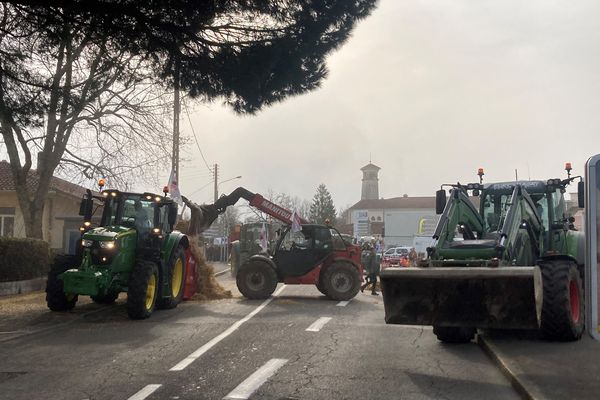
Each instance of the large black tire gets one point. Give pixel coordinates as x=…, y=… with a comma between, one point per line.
x=320, y=287
x=108, y=298
x=340, y=281
x=454, y=334
x=563, y=306
x=256, y=280
x=56, y=299
x=143, y=290
x=176, y=276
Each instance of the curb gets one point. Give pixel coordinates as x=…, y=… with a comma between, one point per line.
x=221, y=272
x=22, y=287
x=491, y=351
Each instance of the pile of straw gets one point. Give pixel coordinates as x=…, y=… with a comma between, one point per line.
x=208, y=286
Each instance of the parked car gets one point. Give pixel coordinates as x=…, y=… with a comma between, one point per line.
x=396, y=256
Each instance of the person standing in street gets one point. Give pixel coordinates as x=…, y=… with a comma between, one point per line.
x=369, y=260
x=412, y=257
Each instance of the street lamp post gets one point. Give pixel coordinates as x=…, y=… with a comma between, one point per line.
x=217, y=185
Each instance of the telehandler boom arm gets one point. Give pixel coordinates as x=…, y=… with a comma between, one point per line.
x=204, y=215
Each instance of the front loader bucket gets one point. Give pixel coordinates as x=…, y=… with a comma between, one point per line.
x=479, y=297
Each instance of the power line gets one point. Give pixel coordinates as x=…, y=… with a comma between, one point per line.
x=195, y=138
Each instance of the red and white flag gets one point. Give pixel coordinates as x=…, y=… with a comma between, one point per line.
x=174, y=189
x=264, y=238
x=296, y=225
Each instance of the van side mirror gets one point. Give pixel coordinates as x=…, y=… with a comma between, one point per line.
x=440, y=201
x=172, y=214
x=581, y=194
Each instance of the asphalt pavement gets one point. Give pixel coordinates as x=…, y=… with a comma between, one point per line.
x=296, y=345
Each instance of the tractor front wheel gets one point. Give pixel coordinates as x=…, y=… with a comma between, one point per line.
x=563, y=305
x=143, y=290
x=454, y=334
x=176, y=279
x=341, y=281
x=56, y=299
x=320, y=287
x=256, y=280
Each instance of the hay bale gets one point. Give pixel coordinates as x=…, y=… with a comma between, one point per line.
x=208, y=286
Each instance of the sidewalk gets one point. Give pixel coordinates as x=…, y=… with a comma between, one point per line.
x=547, y=370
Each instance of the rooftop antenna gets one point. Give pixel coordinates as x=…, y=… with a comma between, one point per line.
x=516, y=175
x=369, y=157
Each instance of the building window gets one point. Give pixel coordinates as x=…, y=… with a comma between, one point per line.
x=7, y=221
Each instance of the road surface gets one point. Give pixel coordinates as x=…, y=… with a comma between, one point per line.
x=296, y=345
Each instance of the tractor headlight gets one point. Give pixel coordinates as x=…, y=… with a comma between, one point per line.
x=87, y=243
x=107, y=244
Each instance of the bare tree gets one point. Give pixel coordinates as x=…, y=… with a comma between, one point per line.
x=74, y=74
x=78, y=104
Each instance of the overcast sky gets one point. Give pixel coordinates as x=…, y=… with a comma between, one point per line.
x=432, y=90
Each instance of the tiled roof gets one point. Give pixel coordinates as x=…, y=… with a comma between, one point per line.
x=401, y=202
x=7, y=184
x=395, y=202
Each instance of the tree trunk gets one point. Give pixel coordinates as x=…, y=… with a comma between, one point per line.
x=33, y=223
x=32, y=208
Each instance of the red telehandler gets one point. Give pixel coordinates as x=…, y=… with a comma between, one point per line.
x=314, y=255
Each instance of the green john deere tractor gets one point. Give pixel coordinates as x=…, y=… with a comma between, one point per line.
x=516, y=263
x=134, y=249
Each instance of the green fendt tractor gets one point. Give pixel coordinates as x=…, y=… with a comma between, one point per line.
x=516, y=263
x=134, y=250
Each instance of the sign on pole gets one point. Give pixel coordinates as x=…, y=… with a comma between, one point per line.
x=592, y=234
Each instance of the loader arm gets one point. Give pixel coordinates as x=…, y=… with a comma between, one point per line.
x=459, y=212
x=204, y=215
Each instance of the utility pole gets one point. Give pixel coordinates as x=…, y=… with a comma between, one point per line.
x=176, y=111
x=216, y=179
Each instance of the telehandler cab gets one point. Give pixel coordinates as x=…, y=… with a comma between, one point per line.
x=134, y=249
x=312, y=255
x=516, y=263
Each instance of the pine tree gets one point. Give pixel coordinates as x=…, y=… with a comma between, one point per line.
x=322, y=207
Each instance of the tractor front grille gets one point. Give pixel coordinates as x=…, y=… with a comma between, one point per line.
x=101, y=256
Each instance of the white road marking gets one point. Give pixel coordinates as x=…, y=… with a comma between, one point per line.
x=343, y=303
x=203, y=349
x=318, y=324
x=245, y=389
x=145, y=392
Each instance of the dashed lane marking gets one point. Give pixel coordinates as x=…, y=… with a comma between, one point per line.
x=318, y=324
x=145, y=392
x=343, y=303
x=245, y=389
x=203, y=349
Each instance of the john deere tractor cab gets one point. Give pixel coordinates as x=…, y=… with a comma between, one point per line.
x=134, y=250
x=516, y=263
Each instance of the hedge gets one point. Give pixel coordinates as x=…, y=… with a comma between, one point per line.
x=22, y=259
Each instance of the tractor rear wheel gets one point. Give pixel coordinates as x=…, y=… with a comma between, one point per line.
x=341, y=281
x=56, y=299
x=256, y=280
x=143, y=290
x=563, y=305
x=176, y=279
x=107, y=298
x=454, y=334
